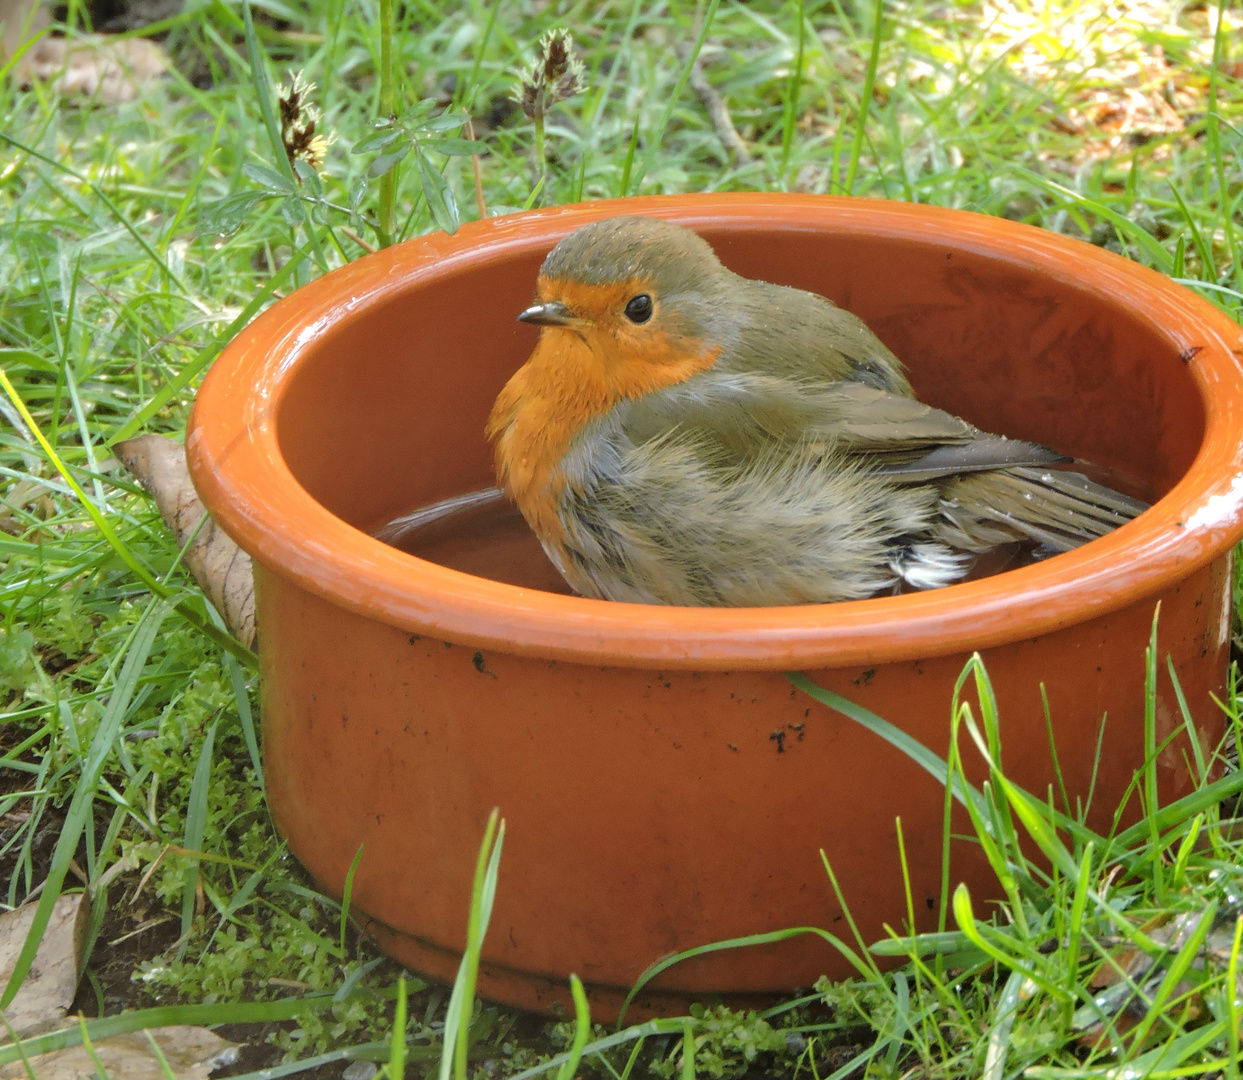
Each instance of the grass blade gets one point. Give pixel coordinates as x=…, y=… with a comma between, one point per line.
x=100, y=1072
x=462, y=1000
x=101, y=523
x=623, y=188
x=84, y=792
x=618, y=1038
x=965, y=916
x=242, y=699
x=1161, y=258
x=347, y=894
x=657, y=136
x=901, y=1020
x=865, y=97
x=220, y=1012
x=582, y=1029
x=895, y=736
x=196, y=827
x=1178, y=967
x=1003, y=1024
x=1151, y=803
x=182, y=380
x=1189, y=724
x=794, y=89
x=1077, y=907
x=666, y=962
x=396, y=1066
x=1232, y=1002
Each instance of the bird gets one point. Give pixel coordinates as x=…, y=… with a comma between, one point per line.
x=687, y=436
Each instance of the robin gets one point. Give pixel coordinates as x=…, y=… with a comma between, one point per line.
x=684, y=435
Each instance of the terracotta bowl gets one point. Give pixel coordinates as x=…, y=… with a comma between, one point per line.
x=664, y=784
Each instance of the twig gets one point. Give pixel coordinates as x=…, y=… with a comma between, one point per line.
x=368, y=248
x=149, y=924
x=150, y=870
x=474, y=160
x=718, y=111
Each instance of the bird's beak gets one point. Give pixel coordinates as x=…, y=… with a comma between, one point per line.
x=552, y=313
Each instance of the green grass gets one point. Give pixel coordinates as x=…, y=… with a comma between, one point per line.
x=128, y=733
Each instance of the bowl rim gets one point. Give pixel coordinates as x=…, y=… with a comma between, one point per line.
x=237, y=467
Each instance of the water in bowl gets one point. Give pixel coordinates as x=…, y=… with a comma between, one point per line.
x=480, y=533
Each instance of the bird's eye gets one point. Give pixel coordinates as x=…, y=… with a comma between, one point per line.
x=639, y=308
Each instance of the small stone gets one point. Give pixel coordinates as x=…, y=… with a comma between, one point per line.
x=795, y=1043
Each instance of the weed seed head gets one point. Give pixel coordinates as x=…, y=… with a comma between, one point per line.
x=556, y=75
x=299, y=118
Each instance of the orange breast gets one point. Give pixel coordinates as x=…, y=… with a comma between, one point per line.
x=573, y=376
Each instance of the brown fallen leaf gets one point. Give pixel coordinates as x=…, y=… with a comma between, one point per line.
x=191, y=1052
x=27, y=495
x=221, y=568
x=47, y=992
x=1122, y=982
x=105, y=69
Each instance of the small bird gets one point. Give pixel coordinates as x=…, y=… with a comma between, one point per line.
x=684, y=435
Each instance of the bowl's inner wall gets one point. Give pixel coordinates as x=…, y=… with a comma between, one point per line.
x=385, y=411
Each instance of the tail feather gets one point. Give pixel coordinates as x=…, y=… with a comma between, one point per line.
x=1082, y=490
x=1057, y=510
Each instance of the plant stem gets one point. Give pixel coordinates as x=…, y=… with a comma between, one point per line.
x=263, y=93
x=658, y=135
x=474, y=162
x=540, y=162
x=865, y=97
x=1213, y=136
x=388, y=182
x=794, y=86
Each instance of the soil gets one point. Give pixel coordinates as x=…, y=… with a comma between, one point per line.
x=129, y=934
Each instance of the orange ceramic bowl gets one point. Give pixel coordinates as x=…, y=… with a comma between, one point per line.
x=664, y=784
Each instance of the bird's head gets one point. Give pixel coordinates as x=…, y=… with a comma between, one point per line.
x=625, y=308
x=634, y=290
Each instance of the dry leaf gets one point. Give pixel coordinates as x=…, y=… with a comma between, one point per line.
x=105, y=69
x=221, y=568
x=49, y=987
x=24, y=495
x=191, y=1052
x=1129, y=969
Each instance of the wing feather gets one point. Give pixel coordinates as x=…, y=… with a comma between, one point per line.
x=739, y=415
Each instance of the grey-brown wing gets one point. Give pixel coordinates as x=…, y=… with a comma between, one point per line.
x=984, y=452
x=795, y=334
x=740, y=408
x=744, y=414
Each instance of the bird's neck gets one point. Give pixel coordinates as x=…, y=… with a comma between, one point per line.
x=571, y=379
